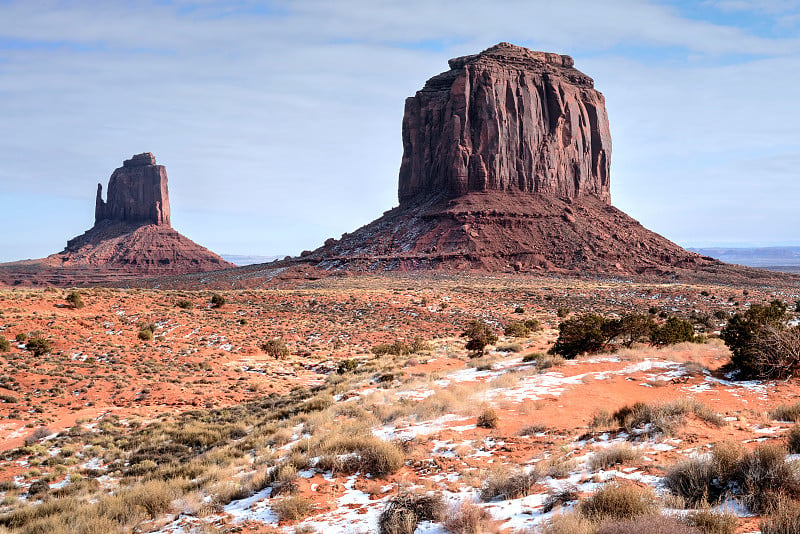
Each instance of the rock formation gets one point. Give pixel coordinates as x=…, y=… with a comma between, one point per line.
x=506, y=160
x=131, y=237
x=507, y=119
x=137, y=193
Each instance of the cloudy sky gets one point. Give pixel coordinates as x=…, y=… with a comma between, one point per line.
x=279, y=122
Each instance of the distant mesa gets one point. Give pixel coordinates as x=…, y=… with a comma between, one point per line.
x=132, y=237
x=506, y=167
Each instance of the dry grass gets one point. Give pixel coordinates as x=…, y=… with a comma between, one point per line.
x=292, y=508
x=619, y=500
x=785, y=519
x=651, y=524
x=619, y=453
x=570, y=523
x=505, y=484
x=710, y=522
x=469, y=518
x=404, y=511
x=787, y=412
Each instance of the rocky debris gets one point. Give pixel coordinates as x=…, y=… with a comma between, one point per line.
x=507, y=119
x=137, y=193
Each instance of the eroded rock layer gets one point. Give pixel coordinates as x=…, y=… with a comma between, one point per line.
x=507, y=119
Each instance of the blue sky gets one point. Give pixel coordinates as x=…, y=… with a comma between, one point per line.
x=279, y=122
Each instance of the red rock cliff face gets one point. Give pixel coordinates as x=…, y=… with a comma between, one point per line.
x=137, y=193
x=503, y=120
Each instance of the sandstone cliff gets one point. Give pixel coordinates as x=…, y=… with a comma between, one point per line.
x=507, y=119
x=137, y=193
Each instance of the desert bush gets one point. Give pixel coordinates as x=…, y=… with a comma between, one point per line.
x=654, y=419
x=619, y=500
x=743, y=331
x=469, y=518
x=674, y=330
x=276, y=348
x=632, y=328
x=613, y=455
x=586, y=333
x=21, y=337
x=398, y=348
x=559, y=498
x=784, y=519
x=217, y=300
x=184, y=304
x=562, y=312
x=488, y=418
x=504, y=485
x=650, y=524
x=787, y=412
x=347, y=366
x=570, y=523
x=292, y=508
x=5, y=346
x=145, y=334
x=533, y=325
x=404, y=511
x=516, y=330
x=38, y=434
x=710, y=522
x=74, y=299
x=478, y=334
x=369, y=454
x=419, y=345
x=39, y=346
x=759, y=478
x=793, y=439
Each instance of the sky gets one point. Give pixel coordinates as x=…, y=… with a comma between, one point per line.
x=279, y=122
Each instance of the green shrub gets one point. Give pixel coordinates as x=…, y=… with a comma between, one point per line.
x=347, y=366
x=743, y=330
x=145, y=334
x=398, y=348
x=516, y=330
x=533, y=325
x=21, y=337
x=217, y=300
x=633, y=327
x=586, y=333
x=488, y=418
x=5, y=346
x=674, y=330
x=74, y=299
x=619, y=500
x=404, y=511
x=39, y=346
x=276, y=348
x=184, y=304
x=479, y=334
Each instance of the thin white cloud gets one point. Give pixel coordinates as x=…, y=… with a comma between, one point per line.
x=284, y=128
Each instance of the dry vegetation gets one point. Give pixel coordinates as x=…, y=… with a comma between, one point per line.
x=358, y=402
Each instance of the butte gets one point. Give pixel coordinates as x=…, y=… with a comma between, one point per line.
x=506, y=167
x=132, y=237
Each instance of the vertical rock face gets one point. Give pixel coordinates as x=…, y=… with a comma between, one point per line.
x=137, y=193
x=503, y=120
